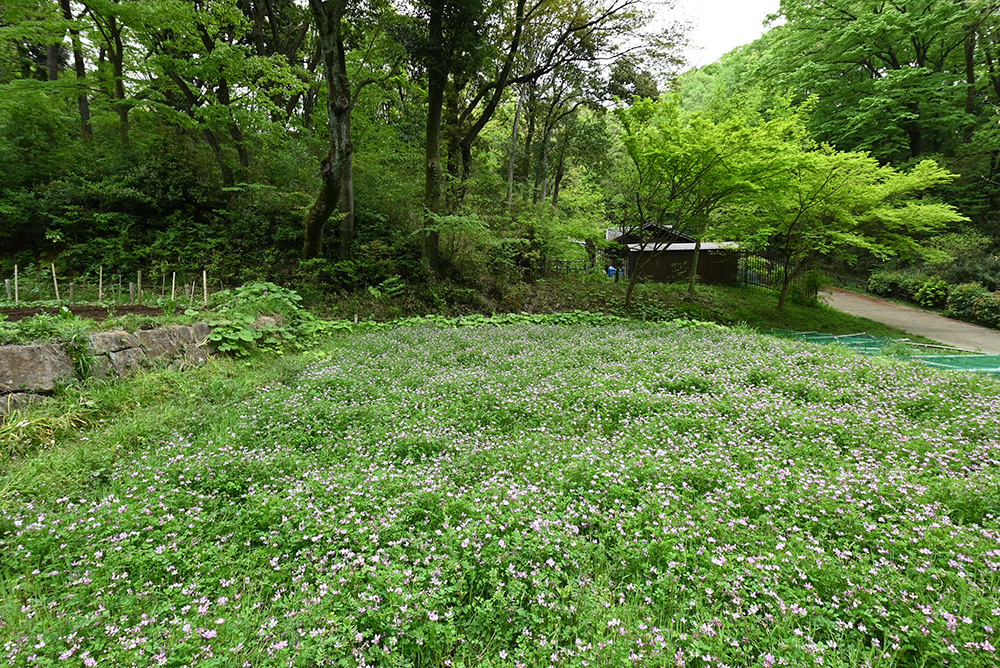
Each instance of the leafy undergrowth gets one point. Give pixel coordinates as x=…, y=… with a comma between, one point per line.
x=522, y=496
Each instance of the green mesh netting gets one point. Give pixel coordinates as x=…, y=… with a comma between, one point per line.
x=874, y=345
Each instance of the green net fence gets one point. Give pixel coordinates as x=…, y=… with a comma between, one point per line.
x=941, y=357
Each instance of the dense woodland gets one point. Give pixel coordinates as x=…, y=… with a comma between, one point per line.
x=339, y=144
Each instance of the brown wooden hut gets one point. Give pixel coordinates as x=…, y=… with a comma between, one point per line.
x=663, y=254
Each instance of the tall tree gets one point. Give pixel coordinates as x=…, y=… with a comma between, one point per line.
x=448, y=44
x=884, y=72
x=336, y=189
x=80, y=68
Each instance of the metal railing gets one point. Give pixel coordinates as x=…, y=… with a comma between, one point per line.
x=765, y=272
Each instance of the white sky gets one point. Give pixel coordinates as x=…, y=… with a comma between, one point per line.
x=719, y=26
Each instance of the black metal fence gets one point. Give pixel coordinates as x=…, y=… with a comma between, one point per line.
x=765, y=272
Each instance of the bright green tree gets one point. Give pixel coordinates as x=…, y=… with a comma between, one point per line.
x=680, y=171
x=835, y=204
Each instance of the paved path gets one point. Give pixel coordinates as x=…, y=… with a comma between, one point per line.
x=949, y=332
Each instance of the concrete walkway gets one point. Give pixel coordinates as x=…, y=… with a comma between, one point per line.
x=949, y=332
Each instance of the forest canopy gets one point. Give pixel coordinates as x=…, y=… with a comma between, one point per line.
x=345, y=143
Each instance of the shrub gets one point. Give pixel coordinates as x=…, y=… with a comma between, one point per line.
x=933, y=293
x=237, y=329
x=986, y=310
x=899, y=283
x=962, y=299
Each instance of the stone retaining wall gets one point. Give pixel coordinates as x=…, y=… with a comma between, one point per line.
x=28, y=373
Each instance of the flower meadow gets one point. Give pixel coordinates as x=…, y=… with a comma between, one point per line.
x=535, y=495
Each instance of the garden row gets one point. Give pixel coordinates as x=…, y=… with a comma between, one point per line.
x=972, y=302
x=41, y=285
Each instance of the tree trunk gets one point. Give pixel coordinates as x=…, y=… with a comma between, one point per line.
x=234, y=129
x=529, y=133
x=455, y=162
x=437, y=79
x=560, y=172
x=633, y=278
x=228, y=179
x=117, y=55
x=335, y=168
x=493, y=103
x=693, y=274
x=970, y=80
x=786, y=282
x=542, y=179
x=52, y=62
x=513, y=150
x=432, y=172
x=346, y=236
x=83, y=102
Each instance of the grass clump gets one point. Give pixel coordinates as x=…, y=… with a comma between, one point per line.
x=624, y=494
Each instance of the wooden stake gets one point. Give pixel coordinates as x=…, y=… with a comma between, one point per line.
x=55, y=281
x=6, y=284
x=100, y=284
x=138, y=280
x=131, y=292
x=16, y=297
x=173, y=285
x=204, y=284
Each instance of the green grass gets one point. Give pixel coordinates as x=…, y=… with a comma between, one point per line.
x=628, y=494
x=727, y=305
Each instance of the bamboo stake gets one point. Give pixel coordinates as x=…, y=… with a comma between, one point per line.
x=204, y=284
x=100, y=284
x=16, y=297
x=138, y=281
x=173, y=285
x=55, y=281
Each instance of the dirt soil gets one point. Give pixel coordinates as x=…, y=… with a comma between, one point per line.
x=92, y=312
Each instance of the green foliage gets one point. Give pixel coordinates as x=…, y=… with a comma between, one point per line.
x=933, y=293
x=391, y=288
x=974, y=268
x=975, y=303
x=963, y=298
x=805, y=291
x=41, y=328
x=986, y=310
x=899, y=283
x=240, y=328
